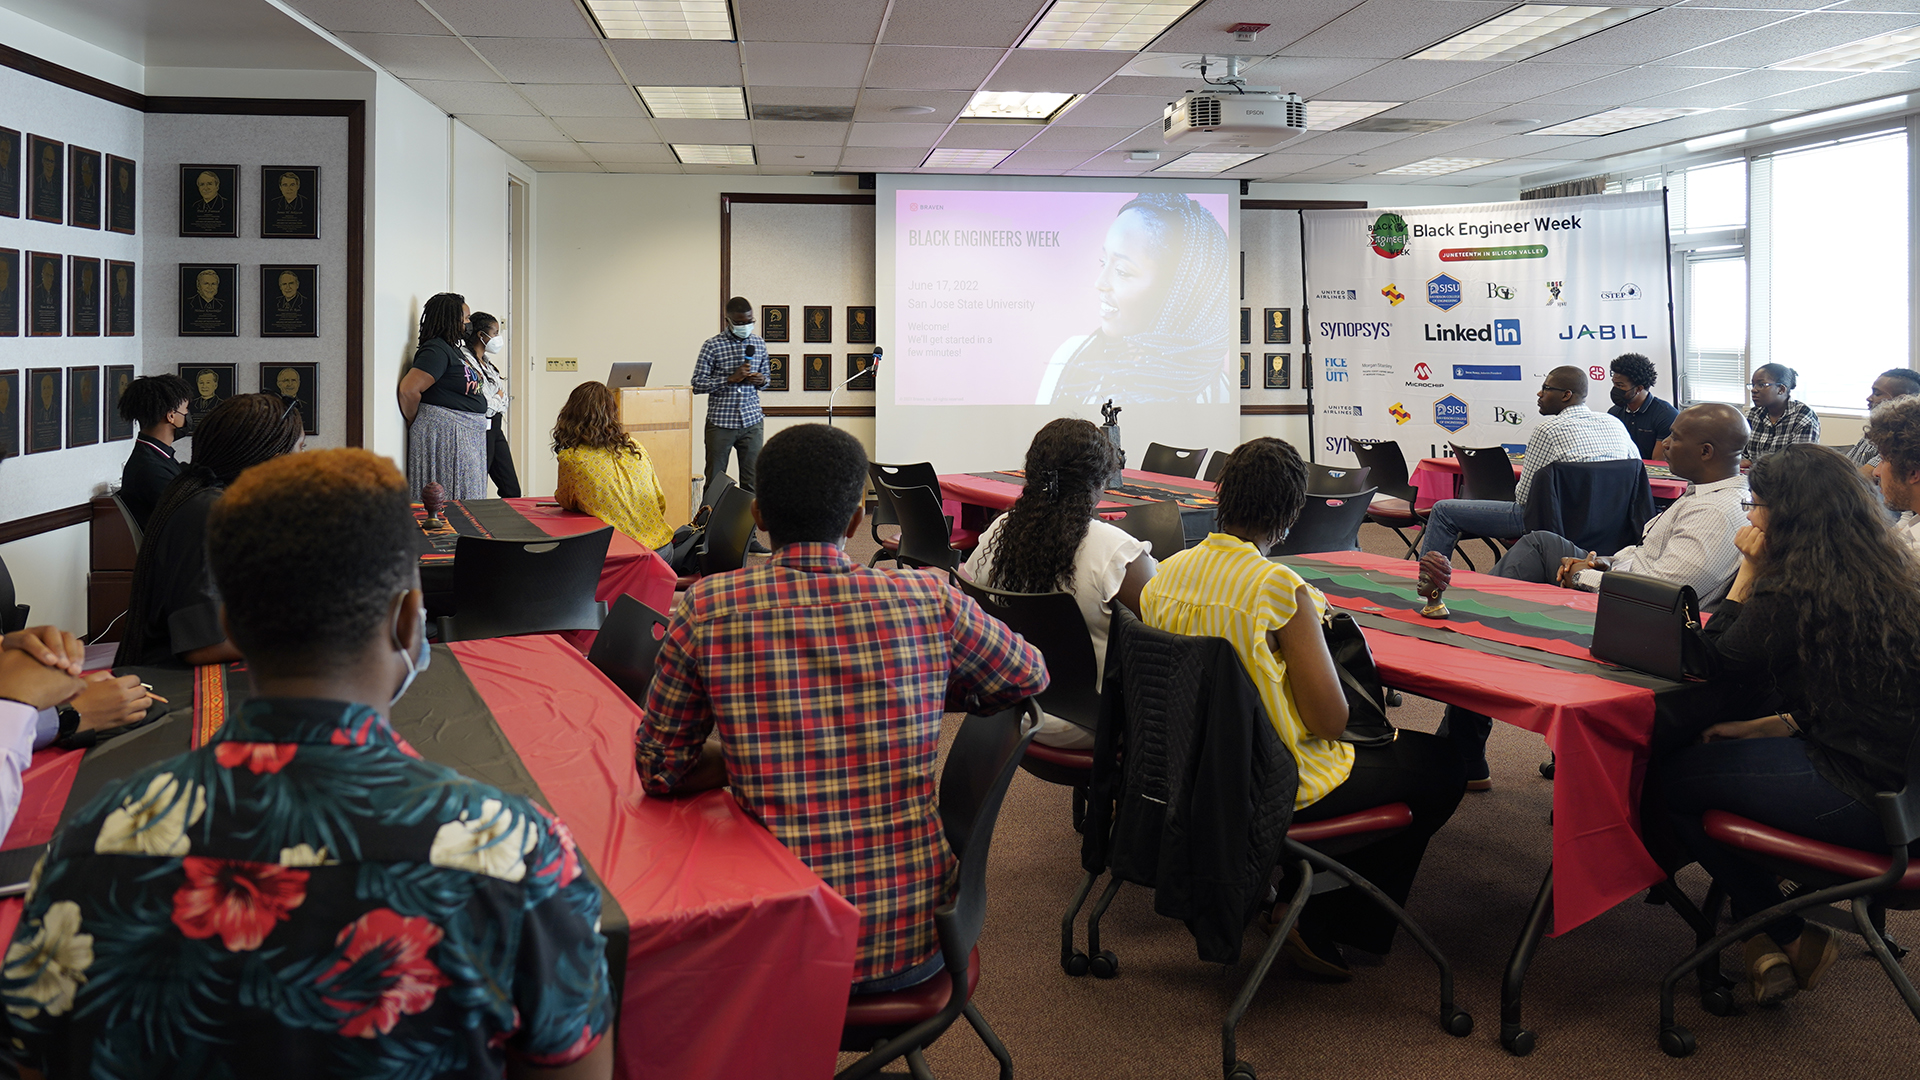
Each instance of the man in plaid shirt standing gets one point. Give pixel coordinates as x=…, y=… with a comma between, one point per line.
x=814, y=687
x=731, y=369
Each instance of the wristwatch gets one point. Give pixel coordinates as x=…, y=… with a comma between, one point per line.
x=69, y=724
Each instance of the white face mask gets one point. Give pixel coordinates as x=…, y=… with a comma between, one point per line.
x=496, y=346
x=741, y=330
x=414, y=667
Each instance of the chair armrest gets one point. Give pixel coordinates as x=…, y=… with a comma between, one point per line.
x=1900, y=814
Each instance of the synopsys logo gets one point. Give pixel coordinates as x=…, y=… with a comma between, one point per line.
x=1342, y=410
x=1629, y=291
x=1443, y=291
x=1393, y=294
x=1388, y=236
x=1337, y=294
x=1356, y=329
x=1451, y=413
x=1506, y=416
x=1399, y=413
x=1423, y=376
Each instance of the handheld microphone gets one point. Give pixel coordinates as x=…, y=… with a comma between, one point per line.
x=877, y=353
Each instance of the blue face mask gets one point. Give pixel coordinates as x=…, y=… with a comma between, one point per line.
x=741, y=330
x=414, y=667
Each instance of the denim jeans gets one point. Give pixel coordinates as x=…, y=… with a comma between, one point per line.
x=1773, y=782
x=1482, y=517
x=722, y=440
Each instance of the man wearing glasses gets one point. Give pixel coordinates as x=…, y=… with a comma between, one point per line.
x=1571, y=432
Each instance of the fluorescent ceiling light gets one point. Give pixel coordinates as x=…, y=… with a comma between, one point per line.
x=1206, y=162
x=680, y=20
x=1868, y=54
x=1625, y=118
x=1439, y=166
x=1327, y=115
x=1528, y=30
x=947, y=158
x=1117, y=25
x=695, y=102
x=712, y=154
x=1015, y=105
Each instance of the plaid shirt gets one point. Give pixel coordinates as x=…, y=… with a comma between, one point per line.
x=1575, y=433
x=826, y=681
x=730, y=405
x=1798, y=424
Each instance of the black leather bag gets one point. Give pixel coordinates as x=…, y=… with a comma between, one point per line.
x=1649, y=625
x=1367, y=723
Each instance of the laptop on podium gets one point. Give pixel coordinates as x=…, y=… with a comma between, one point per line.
x=630, y=373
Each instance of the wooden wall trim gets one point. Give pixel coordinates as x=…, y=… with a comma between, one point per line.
x=65, y=517
x=71, y=79
x=1303, y=204
x=1273, y=410
x=817, y=200
x=786, y=411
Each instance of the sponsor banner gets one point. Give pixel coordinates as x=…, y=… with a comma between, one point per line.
x=1502, y=293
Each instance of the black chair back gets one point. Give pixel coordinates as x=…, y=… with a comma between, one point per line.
x=884, y=512
x=924, y=537
x=1386, y=467
x=710, y=494
x=1335, y=480
x=1486, y=472
x=1172, y=460
x=1158, y=524
x=627, y=645
x=509, y=587
x=1217, y=464
x=133, y=527
x=729, y=530
x=1328, y=523
x=980, y=765
x=13, y=616
x=1052, y=623
x=1600, y=505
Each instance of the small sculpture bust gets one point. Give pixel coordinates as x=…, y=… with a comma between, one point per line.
x=1436, y=573
x=434, y=497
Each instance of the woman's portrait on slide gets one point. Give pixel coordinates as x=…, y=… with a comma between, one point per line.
x=1164, y=312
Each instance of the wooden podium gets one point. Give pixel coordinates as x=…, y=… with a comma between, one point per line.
x=660, y=418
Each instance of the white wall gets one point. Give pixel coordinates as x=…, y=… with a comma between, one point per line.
x=49, y=572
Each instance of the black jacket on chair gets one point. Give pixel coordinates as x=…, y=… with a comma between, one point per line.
x=1602, y=506
x=1192, y=790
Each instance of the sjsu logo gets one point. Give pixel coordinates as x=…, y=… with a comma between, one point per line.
x=1603, y=332
x=1451, y=413
x=1443, y=292
x=1505, y=416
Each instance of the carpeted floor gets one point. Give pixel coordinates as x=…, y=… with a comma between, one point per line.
x=1592, y=996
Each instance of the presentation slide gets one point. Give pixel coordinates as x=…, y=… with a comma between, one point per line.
x=1063, y=298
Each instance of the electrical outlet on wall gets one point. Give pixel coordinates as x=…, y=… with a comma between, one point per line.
x=563, y=363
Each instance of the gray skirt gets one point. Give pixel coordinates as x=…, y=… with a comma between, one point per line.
x=450, y=447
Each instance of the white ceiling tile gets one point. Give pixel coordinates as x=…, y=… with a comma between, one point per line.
x=1434, y=109
x=1876, y=5
x=1865, y=87
x=990, y=136
x=996, y=23
x=1118, y=162
x=1404, y=80
x=847, y=21
x=874, y=157
x=514, y=128
x=824, y=96
x=1204, y=30
x=783, y=170
x=1662, y=33
x=798, y=133
x=1346, y=142
x=1153, y=86
x=565, y=100
x=678, y=63
x=1106, y=110
x=1308, y=76
x=1738, y=89
x=1447, y=143
x=543, y=150
x=606, y=129
x=946, y=105
x=777, y=64
x=1631, y=85
x=914, y=67
x=1796, y=37
x=1782, y=6
x=1542, y=115
x=918, y=135
x=1089, y=139
x=1523, y=145
x=738, y=132
x=1525, y=81
x=1042, y=161
x=631, y=153
x=564, y=166
x=368, y=16
x=471, y=98
x=515, y=18
x=415, y=56
x=644, y=168
x=1059, y=71
x=812, y=157
x=1387, y=29
x=547, y=60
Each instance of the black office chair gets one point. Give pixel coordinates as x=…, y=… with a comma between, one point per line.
x=1486, y=472
x=133, y=527
x=1172, y=460
x=1599, y=505
x=1328, y=480
x=13, y=616
x=924, y=537
x=1157, y=523
x=509, y=587
x=1393, y=507
x=627, y=645
x=1217, y=464
x=1328, y=523
x=729, y=530
x=979, y=768
x=918, y=474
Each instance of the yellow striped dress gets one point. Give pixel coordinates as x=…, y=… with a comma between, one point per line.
x=1225, y=588
x=618, y=488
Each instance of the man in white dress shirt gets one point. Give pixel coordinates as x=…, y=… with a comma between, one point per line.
x=1895, y=430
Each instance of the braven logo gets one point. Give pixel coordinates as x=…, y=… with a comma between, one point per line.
x=1603, y=332
x=1443, y=292
x=1499, y=332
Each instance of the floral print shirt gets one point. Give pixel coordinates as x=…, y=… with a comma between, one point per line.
x=304, y=895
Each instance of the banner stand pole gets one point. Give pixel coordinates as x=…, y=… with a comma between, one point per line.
x=1673, y=337
x=1306, y=334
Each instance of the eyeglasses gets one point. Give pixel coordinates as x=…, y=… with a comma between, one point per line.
x=1749, y=504
x=1556, y=390
x=1764, y=385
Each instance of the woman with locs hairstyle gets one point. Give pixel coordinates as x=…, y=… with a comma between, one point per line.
x=446, y=411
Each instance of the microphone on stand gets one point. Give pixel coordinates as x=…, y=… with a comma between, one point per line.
x=872, y=368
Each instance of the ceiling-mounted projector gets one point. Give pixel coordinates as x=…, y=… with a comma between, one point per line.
x=1253, y=120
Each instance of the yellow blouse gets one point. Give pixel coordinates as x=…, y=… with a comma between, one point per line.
x=1224, y=588
x=618, y=488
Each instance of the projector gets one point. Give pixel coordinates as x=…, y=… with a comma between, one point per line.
x=1250, y=120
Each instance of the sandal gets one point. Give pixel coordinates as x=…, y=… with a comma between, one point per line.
x=1818, y=951
x=1769, y=972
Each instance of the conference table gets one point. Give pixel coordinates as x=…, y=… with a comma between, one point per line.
x=632, y=569
x=729, y=956
x=1518, y=651
x=1437, y=478
x=983, y=494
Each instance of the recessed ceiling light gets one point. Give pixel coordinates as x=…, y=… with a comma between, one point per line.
x=1206, y=162
x=680, y=20
x=1528, y=30
x=712, y=154
x=911, y=110
x=694, y=102
x=1439, y=166
x=1327, y=115
x=948, y=158
x=1876, y=53
x=1017, y=106
x=1116, y=25
x=1625, y=118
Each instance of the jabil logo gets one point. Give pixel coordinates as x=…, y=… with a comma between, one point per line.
x=1603, y=332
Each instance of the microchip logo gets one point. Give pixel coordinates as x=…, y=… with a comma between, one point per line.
x=1393, y=294
x=1399, y=413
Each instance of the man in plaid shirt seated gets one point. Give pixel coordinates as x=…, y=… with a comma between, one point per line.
x=814, y=686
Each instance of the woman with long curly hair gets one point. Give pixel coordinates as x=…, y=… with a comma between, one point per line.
x=1823, y=622
x=1051, y=542
x=605, y=473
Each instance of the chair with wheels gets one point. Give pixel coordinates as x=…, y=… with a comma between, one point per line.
x=973, y=783
x=925, y=539
x=1328, y=480
x=1486, y=472
x=1172, y=460
x=918, y=474
x=627, y=646
x=133, y=527
x=729, y=530
x=510, y=587
x=1394, y=506
x=13, y=616
x=1158, y=523
x=1328, y=523
x=1216, y=465
x=1871, y=882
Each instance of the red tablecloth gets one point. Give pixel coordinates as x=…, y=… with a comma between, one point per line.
x=632, y=569
x=1000, y=494
x=1437, y=478
x=1599, y=731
